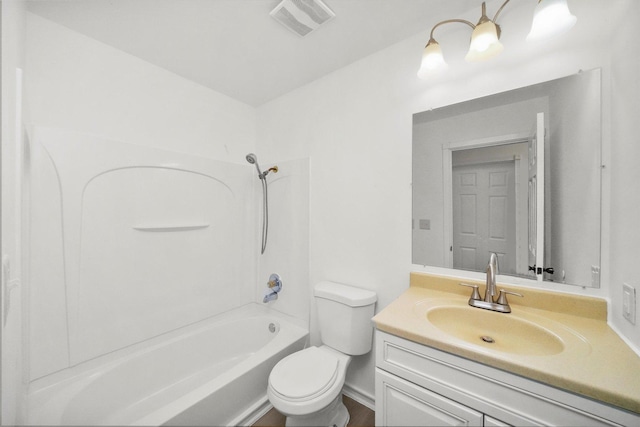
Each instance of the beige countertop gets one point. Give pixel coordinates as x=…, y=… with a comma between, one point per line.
x=598, y=365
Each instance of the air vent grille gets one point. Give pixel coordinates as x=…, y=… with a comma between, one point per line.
x=302, y=16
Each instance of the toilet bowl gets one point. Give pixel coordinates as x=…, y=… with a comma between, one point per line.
x=306, y=386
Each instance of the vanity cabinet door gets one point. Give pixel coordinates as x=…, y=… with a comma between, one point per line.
x=401, y=403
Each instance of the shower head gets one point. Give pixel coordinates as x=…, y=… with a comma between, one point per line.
x=253, y=159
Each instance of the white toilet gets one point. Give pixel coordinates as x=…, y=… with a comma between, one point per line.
x=306, y=386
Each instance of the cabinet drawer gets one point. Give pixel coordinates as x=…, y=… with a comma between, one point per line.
x=513, y=399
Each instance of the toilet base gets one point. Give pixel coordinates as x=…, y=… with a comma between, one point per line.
x=334, y=415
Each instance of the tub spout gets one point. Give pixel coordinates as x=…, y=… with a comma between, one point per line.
x=270, y=295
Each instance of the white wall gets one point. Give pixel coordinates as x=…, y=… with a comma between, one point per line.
x=13, y=293
x=624, y=170
x=355, y=127
x=75, y=82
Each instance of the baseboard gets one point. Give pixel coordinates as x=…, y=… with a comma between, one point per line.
x=254, y=413
x=359, y=396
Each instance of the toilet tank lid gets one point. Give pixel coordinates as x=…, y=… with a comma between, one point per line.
x=348, y=295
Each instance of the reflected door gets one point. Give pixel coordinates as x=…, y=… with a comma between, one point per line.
x=536, y=198
x=484, y=206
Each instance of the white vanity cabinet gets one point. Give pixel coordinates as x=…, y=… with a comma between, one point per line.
x=417, y=385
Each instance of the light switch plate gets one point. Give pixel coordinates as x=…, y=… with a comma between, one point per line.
x=425, y=224
x=595, y=276
x=629, y=303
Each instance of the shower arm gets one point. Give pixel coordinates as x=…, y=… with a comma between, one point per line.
x=273, y=169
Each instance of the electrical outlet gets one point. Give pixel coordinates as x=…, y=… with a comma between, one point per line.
x=629, y=303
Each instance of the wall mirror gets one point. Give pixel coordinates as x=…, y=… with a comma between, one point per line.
x=517, y=173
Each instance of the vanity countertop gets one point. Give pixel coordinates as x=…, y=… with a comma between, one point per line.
x=609, y=371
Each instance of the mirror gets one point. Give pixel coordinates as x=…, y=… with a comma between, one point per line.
x=516, y=173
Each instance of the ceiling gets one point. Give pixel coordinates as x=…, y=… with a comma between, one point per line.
x=234, y=47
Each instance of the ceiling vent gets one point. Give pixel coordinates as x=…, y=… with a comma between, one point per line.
x=302, y=16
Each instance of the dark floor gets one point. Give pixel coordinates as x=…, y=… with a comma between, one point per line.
x=360, y=416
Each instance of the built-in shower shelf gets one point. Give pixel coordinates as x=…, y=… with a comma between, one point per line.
x=165, y=228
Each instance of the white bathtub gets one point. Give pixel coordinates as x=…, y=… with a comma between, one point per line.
x=211, y=373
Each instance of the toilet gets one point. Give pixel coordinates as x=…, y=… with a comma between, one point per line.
x=306, y=386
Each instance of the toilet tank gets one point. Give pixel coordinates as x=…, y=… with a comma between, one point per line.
x=344, y=316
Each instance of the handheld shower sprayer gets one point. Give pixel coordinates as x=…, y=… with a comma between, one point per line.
x=253, y=159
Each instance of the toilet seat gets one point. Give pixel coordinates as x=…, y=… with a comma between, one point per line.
x=308, y=380
x=305, y=374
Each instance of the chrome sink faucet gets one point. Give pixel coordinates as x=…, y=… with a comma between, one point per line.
x=492, y=270
x=490, y=303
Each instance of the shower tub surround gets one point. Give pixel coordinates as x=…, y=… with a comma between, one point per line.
x=201, y=374
x=129, y=242
x=142, y=286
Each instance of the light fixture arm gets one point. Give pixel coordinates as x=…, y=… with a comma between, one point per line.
x=449, y=21
x=499, y=11
x=484, y=18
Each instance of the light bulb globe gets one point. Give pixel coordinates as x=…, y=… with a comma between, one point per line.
x=432, y=60
x=551, y=18
x=484, y=42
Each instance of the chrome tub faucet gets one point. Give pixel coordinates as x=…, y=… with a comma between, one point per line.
x=274, y=286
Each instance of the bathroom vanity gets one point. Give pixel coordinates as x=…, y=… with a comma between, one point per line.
x=555, y=361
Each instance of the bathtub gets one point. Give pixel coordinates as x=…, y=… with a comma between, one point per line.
x=211, y=373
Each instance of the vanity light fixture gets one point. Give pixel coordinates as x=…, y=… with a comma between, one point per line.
x=551, y=17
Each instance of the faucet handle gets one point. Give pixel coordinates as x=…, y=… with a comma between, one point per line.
x=275, y=282
x=475, y=294
x=502, y=298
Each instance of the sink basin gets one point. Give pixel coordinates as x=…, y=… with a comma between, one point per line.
x=497, y=331
x=523, y=332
